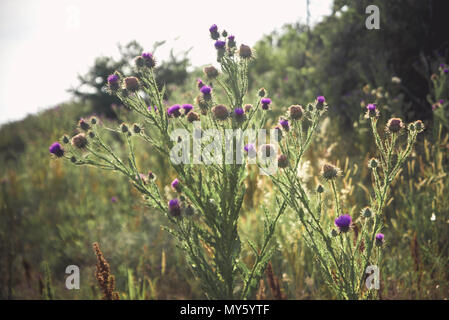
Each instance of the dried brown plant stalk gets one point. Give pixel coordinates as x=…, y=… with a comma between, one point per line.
x=104, y=276
x=273, y=283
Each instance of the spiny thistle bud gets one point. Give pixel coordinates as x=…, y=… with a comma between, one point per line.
x=334, y=233
x=139, y=62
x=248, y=107
x=371, y=111
x=284, y=123
x=189, y=210
x=151, y=175
x=202, y=104
x=419, y=126
x=113, y=82
x=91, y=134
x=282, y=161
x=220, y=112
x=380, y=239
x=366, y=212
x=83, y=124
x=262, y=92
x=93, y=120
x=131, y=83
x=124, y=127
x=65, y=139
x=176, y=185
x=394, y=125
x=193, y=116
x=231, y=42
x=57, y=149
x=224, y=33
x=174, y=111
x=373, y=163
x=79, y=141
x=320, y=189
x=245, y=52
x=214, y=32
x=73, y=159
x=310, y=107
x=136, y=128
x=251, y=150
x=434, y=77
x=296, y=112
x=174, y=208
x=329, y=171
x=265, y=103
x=211, y=72
x=149, y=60
x=343, y=222
x=320, y=100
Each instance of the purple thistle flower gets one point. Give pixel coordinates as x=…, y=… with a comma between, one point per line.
x=176, y=185
x=320, y=99
x=113, y=199
x=206, y=90
x=213, y=28
x=379, y=239
x=231, y=38
x=343, y=222
x=113, y=78
x=147, y=55
x=174, y=110
x=174, y=208
x=265, y=103
x=371, y=107
x=284, y=123
x=56, y=149
x=200, y=83
x=187, y=108
x=219, y=44
x=446, y=70
x=239, y=111
x=113, y=82
x=441, y=101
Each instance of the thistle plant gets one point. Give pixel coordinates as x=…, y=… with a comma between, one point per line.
x=345, y=251
x=207, y=194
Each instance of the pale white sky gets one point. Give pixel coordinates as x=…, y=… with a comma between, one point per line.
x=44, y=44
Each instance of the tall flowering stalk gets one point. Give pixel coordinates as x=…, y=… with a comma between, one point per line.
x=204, y=213
x=344, y=251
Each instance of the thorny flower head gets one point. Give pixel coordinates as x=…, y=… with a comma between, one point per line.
x=265, y=103
x=80, y=141
x=379, y=239
x=394, y=125
x=174, y=207
x=296, y=112
x=371, y=111
x=343, y=222
x=56, y=149
x=329, y=171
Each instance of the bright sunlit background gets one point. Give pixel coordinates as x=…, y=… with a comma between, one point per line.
x=45, y=44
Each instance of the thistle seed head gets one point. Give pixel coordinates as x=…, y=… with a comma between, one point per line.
x=394, y=125
x=329, y=171
x=193, y=116
x=220, y=112
x=80, y=141
x=296, y=112
x=245, y=52
x=211, y=72
x=282, y=161
x=131, y=84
